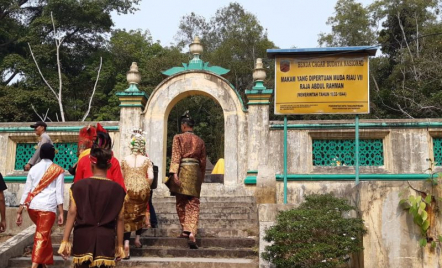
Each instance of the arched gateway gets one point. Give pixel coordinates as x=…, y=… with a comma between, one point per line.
x=201, y=82
x=245, y=131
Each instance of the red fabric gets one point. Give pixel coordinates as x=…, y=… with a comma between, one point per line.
x=101, y=128
x=86, y=137
x=42, y=252
x=114, y=173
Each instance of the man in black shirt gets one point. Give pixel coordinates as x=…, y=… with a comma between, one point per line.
x=2, y=205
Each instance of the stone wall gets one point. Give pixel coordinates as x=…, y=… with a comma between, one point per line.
x=392, y=237
x=13, y=133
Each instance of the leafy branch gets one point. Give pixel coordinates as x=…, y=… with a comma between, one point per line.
x=423, y=206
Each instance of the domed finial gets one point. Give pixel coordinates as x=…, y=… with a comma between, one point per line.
x=133, y=76
x=259, y=74
x=196, y=48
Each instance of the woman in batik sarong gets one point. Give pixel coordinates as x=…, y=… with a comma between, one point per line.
x=187, y=167
x=138, y=175
x=96, y=215
x=43, y=196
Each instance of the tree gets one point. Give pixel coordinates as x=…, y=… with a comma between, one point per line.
x=232, y=39
x=351, y=26
x=405, y=81
x=410, y=40
x=82, y=46
x=190, y=26
x=123, y=49
x=58, y=95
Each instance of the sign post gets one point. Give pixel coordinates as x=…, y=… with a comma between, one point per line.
x=322, y=85
x=322, y=81
x=285, y=159
x=357, y=150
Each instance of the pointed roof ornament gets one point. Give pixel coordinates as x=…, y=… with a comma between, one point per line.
x=259, y=94
x=133, y=78
x=196, y=48
x=259, y=74
x=132, y=96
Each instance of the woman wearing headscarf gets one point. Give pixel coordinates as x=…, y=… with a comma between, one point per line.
x=43, y=196
x=138, y=175
x=103, y=141
x=96, y=215
x=86, y=139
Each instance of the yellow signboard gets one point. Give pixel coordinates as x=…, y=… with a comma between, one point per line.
x=322, y=85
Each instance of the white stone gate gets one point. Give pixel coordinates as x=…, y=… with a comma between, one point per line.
x=182, y=85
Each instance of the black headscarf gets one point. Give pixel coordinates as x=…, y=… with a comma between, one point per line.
x=47, y=151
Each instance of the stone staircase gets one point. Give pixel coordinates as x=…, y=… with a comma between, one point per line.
x=227, y=237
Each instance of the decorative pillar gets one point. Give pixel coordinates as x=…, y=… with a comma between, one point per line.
x=258, y=138
x=132, y=102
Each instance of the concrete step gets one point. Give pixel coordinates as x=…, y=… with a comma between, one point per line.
x=182, y=250
x=203, y=232
x=210, y=199
x=206, y=242
x=169, y=209
x=251, y=232
x=192, y=253
x=204, y=216
x=155, y=262
x=211, y=223
x=208, y=205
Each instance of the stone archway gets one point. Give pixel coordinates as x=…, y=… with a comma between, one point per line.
x=184, y=84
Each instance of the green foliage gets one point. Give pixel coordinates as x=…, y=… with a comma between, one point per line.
x=405, y=81
x=81, y=24
x=232, y=39
x=351, y=26
x=209, y=119
x=416, y=207
x=123, y=49
x=317, y=234
x=423, y=206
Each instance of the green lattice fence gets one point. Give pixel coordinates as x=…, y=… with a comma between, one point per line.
x=66, y=156
x=342, y=152
x=437, y=150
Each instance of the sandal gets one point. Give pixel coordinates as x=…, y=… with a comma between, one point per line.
x=183, y=235
x=192, y=242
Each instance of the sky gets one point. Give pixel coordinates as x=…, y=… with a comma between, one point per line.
x=289, y=23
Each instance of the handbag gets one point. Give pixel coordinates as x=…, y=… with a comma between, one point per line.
x=154, y=184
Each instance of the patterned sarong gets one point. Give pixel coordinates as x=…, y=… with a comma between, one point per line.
x=190, y=177
x=188, y=210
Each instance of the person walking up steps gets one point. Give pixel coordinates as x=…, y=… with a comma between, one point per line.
x=43, y=196
x=187, y=168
